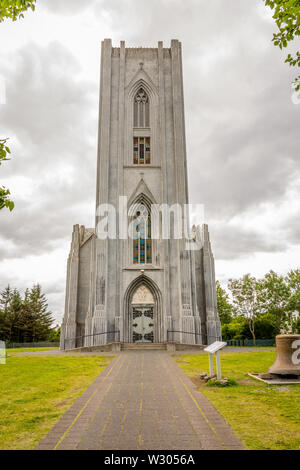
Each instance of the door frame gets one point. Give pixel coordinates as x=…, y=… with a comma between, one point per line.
x=131, y=321
x=157, y=310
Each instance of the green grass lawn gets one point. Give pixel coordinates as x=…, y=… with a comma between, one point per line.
x=36, y=391
x=263, y=416
x=10, y=351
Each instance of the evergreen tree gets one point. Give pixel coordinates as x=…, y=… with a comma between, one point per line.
x=11, y=311
x=24, y=319
x=39, y=319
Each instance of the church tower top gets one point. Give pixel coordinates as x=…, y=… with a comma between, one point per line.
x=141, y=123
x=108, y=41
x=139, y=51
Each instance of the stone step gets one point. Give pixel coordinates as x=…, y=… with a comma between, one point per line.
x=143, y=346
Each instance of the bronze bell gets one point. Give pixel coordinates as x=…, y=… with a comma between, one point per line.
x=287, y=355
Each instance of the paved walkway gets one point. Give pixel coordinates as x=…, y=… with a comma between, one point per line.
x=142, y=400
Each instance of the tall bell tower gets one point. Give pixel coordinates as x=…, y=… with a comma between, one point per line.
x=144, y=288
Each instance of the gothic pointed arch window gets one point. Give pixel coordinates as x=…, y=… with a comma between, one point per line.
x=142, y=242
x=141, y=109
x=141, y=122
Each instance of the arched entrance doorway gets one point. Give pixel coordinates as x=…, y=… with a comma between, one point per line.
x=142, y=315
x=142, y=312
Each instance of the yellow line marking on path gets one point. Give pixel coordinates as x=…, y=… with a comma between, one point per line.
x=141, y=401
x=92, y=419
x=123, y=422
x=116, y=401
x=127, y=401
x=99, y=406
x=101, y=401
x=184, y=409
x=199, y=407
x=106, y=423
x=86, y=404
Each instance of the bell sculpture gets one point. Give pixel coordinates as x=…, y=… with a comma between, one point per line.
x=287, y=361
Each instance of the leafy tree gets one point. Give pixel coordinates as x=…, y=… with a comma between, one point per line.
x=287, y=17
x=275, y=298
x=236, y=329
x=246, y=299
x=225, y=308
x=296, y=326
x=262, y=307
x=14, y=8
x=4, y=193
x=265, y=327
x=293, y=280
x=54, y=335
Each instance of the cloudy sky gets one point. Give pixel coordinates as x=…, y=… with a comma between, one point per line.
x=242, y=125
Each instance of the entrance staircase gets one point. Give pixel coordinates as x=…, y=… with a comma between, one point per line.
x=117, y=347
x=143, y=346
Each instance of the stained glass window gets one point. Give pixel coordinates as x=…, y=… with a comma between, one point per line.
x=141, y=151
x=142, y=243
x=135, y=150
x=149, y=243
x=147, y=150
x=141, y=109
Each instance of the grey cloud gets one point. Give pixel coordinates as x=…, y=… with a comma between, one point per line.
x=67, y=7
x=52, y=115
x=142, y=22
x=55, y=294
x=243, y=141
x=48, y=109
x=241, y=124
x=291, y=228
x=229, y=242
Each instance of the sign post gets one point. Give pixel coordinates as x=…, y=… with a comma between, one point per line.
x=215, y=348
x=2, y=352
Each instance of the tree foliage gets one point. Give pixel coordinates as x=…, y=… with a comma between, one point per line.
x=275, y=294
x=293, y=279
x=225, y=308
x=5, y=200
x=25, y=319
x=260, y=308
x=287, y=17
x=14, y=9
x=246, y=300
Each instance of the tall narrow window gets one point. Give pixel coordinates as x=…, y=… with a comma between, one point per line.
x=141, y=151
x=142, y=243
x=141, y=109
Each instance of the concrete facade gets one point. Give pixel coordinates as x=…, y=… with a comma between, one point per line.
x=101, y=275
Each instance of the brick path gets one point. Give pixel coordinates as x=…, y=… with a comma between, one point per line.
x=142, y=400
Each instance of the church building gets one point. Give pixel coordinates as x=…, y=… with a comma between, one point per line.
x=145, y=288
